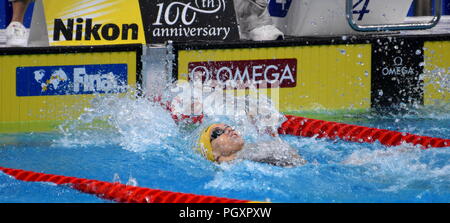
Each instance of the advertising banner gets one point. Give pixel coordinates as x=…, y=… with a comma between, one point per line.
x=71, y=80
x=40, y=87
x=436, y=74
x=185, y=20
x=105, y=22
x=396, y=74
x=334, y=77
x=97, y=22
x=264, y=73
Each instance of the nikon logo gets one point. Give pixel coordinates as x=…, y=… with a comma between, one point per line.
x=81, y=29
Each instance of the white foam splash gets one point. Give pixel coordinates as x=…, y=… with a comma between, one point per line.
x=131, y=122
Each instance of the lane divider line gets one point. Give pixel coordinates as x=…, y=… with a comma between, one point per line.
x=116, y=191
x=306, y=127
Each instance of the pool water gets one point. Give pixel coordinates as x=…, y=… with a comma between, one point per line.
x=135, y=142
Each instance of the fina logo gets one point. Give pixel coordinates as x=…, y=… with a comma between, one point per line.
x=71, y=80
x=94, y=82
x=82, y=82
x=57, y=77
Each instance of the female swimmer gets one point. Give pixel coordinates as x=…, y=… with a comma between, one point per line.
x=221, y=143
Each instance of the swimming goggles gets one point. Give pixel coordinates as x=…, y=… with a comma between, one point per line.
x=217, y=132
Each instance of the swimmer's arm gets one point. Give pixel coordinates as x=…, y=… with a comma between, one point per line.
x=290, y=159
x=294, y=158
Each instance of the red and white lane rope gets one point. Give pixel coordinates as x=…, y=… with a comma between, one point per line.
x=116, y=191
x=299, y=126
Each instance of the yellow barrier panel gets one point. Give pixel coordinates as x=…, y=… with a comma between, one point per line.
x=436, y=72
x=327, y=76
x=29, y=96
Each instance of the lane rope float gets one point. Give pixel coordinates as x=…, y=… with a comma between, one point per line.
x=306, y=127
x=115, y=191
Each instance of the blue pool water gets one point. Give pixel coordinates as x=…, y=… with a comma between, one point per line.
x=142, y=146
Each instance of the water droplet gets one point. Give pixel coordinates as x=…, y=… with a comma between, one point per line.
x=418, y=52
x=366, y=73
x=132, y=182
x=359, y=55
x=343, y=52
x=344, y=37
x=380, y=92
x=116, y=178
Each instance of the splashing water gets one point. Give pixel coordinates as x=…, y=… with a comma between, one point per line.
x=137, y=140
x=137, y=123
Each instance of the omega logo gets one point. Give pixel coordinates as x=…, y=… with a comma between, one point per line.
x=398, y=68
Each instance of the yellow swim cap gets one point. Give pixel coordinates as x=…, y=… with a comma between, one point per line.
x=204, y=143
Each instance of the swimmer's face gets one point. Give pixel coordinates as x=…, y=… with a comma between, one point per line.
x=225, y=141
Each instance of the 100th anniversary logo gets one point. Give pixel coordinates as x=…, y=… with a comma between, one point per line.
x=184, y=20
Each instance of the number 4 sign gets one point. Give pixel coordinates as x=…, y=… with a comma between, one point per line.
x=364, y=9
